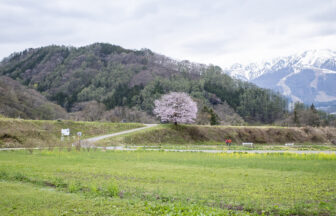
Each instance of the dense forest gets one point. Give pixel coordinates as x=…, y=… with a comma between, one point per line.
x=106, y=77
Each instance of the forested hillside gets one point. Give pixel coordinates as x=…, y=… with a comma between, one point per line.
x=19, y=101
x=115, y=77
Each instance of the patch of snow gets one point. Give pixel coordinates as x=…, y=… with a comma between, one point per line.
x=323, y=97
x=320, y=70
x=319, y=73
x=286, y=90
x=314, y=83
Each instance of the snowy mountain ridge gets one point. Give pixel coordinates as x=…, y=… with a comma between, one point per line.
x=309, y=58
x=307, y=77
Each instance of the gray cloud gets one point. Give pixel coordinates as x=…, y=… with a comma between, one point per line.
x=218, y=31
x=327, y=15
x=221, y=46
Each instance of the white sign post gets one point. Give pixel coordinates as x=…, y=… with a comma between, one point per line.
x=247, y=144
x=65, y=132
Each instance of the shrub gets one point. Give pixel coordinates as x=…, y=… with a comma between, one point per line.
x=3, y=174
x=59, y=183
x=112, y=190
x=20, y=177
x=94, y=189
x=74, y=187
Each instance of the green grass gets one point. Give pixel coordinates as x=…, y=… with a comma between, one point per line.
x=36, y=133
x=161, y=183
x=27, y=199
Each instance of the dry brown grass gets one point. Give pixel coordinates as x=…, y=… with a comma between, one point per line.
x=43, y=133
x=199, y=134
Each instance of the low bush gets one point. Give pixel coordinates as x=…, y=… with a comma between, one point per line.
x=112, y=190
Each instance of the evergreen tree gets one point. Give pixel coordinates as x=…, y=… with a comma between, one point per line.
x=214, y=119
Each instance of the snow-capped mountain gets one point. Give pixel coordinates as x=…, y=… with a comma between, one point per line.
x=308, y=77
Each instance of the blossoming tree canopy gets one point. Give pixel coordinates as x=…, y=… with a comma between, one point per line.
x=176, y=107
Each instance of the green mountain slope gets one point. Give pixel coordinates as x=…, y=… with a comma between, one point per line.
x=118, y=77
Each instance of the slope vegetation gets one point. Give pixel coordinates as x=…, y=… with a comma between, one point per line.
x=196, y=134
x=19, y=101
x=43, y=133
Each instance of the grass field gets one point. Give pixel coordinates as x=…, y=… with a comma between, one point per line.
x=166, y=183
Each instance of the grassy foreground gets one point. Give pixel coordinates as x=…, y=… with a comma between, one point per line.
x=166, y=183
x=42, y=133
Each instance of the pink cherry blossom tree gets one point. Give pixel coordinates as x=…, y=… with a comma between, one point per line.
x=176, y=107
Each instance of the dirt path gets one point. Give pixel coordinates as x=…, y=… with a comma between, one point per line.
x=97, y=138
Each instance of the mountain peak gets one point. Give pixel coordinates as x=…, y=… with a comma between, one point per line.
x=307, y=76
x=315, y=57
x=318, y=58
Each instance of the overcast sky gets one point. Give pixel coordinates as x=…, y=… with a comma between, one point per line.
x=207, y=31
